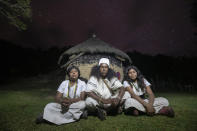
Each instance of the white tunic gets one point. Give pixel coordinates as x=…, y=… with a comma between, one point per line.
x=136, y=89
x=63, y=88
x=101, y=89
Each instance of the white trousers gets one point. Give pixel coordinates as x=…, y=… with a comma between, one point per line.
x=158, y=104
x=52, y=113
x=91, y=104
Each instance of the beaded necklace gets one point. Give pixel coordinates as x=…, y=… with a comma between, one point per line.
x=134, y=86
x=69, y=85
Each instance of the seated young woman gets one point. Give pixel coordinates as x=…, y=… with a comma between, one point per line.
x=70, y=104
x=136, y=86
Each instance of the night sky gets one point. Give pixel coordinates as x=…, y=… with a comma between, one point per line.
x=147, y=26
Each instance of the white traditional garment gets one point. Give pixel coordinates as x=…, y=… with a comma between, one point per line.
x=158, y=103
x=52, y=111
x=101, y=89
x=64, y=87
x=137, y=90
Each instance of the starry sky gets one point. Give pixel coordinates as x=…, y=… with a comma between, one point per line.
x=147, y=26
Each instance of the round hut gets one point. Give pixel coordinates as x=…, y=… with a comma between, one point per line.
x=87, y=54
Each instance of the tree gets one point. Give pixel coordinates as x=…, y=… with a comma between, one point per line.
x=17, y=12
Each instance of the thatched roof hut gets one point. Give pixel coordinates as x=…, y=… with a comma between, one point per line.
x=87, y=54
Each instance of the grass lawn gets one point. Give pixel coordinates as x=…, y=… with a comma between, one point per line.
x=20, y=104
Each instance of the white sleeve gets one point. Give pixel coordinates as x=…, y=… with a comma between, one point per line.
x=84, y=86
x=115, y=83
x=146, y=82
x=92, y=84
x=126, y=84
x=62, y=87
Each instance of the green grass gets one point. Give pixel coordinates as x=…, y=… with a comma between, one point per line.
x=20, y=107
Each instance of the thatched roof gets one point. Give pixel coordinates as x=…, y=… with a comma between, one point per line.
x=95, y=45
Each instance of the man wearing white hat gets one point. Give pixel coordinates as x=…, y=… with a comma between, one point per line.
x=104, y=90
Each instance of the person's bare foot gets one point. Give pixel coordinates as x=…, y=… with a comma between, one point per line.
x=132, y=111
x=135, y=112
x=101, y=114
x=167, y=111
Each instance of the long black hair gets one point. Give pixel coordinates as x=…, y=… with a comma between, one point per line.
x=140, y=77
x=96, y=73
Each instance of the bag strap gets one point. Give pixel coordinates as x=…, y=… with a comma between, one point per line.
x=134, y=86
x=110, y=90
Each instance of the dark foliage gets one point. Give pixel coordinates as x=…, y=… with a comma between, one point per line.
x=164, y=72
x=25, y=62
x=167, y=72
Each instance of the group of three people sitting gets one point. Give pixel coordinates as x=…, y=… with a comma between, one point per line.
x=102, y=95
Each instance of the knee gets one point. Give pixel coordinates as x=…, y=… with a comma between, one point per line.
x=82, y=104
x=164, y=101
x=90, y=101
x=47, y=106
x=50, y=105
x=79, y=104
x=130, y=101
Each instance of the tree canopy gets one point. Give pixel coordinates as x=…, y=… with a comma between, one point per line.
x=17, y=12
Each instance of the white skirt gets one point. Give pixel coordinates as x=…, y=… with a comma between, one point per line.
x=52, y=113
x=158, y=104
